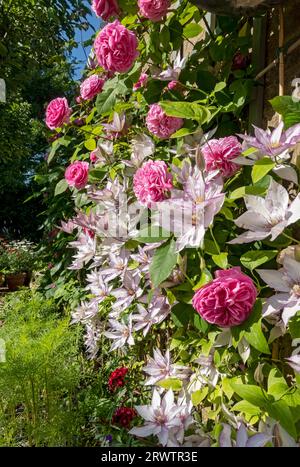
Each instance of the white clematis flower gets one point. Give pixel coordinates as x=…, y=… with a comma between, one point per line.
x=267, y=216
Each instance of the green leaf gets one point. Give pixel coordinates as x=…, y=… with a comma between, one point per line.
x=182, y=314
x=199, y=395
x=90, y=144
x=277, y=385
x=246, y=190
x=61, y=187
x=183, y=132
x=171, y=383
x=210, y=247
x=204, y=279
x=256, y=338
x=289, y=108
x=152, y=234
x=221, y=260
x=64, y=141
x=252, y=259
x=200, y=324
x=261, y=168
x=189, y=110
x=163, y=263
x=246, y=407
x=97, y=174
x=192, y=30
x=220, y=86
x=281, y=412
x=227, y=389
x=253, y=394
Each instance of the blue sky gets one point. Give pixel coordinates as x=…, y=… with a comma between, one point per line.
x=81, y=52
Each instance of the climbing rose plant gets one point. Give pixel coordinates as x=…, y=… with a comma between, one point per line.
x=176, y=211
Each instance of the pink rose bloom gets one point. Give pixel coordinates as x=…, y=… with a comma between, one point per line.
x=57, y=113
x=173, y=85
x=152, y=182
x=105, y=9
x=227, y=300
x=91, y=87
x=116, y=48
x=218, y=155
x=141, y=82
x=94, y=156
x=77, y=174
x=160, y=124
x=155, y=10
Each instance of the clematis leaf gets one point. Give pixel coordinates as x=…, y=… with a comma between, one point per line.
x=171, y=383
x=221, y=260
x=250, y=393
x=252, y=259
x=189, y=110
x=163, y=262
x=61, y=187
x=261, y=168
x=256, y=338
x=199, y=395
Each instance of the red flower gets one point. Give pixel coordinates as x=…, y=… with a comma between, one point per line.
x=123, y=416
x=116, y=379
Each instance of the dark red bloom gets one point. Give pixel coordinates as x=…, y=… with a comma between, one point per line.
x=123, y=416
x=116, y=379
x=240, y=61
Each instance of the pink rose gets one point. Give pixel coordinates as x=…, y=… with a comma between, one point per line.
x=105, y=9
x=161, y=125
x=152, y=182
x=94, y=155
x=116, y=48
x=155, y=10
x=218, y=155
x=141, y=82
x=227, y=300
x=91, y=87
x=57, y=113
x=77, y=174
x=173, y=85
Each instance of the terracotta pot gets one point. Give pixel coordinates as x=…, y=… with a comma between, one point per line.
x=14, y=281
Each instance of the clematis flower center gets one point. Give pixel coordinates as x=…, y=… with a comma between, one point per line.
x=296, y=290
x=199, y=200
x=161, y=419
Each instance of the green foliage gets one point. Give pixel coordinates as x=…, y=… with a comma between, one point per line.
x=288, y=107
x=51, y=395
x=163, y=263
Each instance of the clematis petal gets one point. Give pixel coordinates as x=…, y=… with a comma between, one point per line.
x=248, y=237
x=274, y=279
x=294, y=211
x=286, y=173
x=241, y=436
x=259, y=440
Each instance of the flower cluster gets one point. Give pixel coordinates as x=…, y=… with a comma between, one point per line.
x=116, y=378
x=124, y=416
